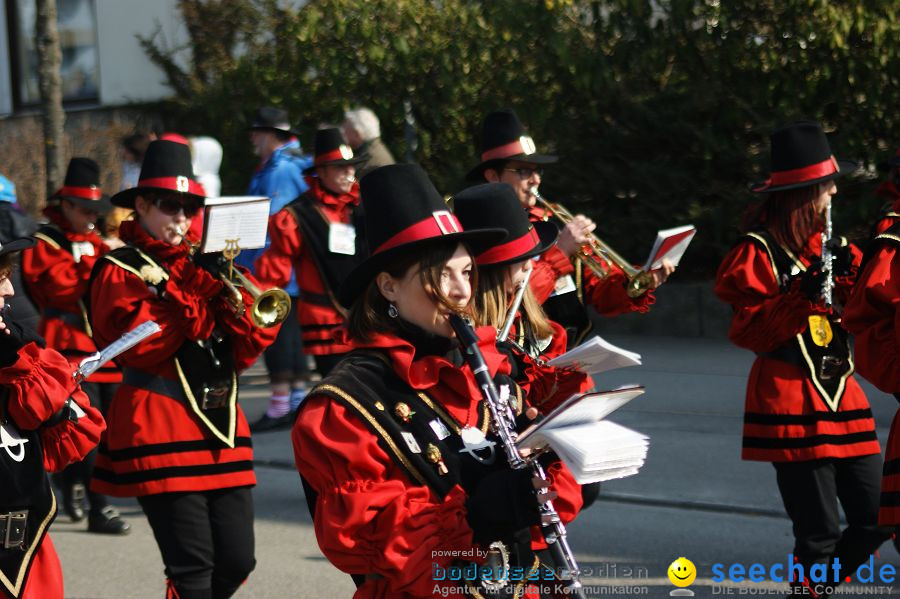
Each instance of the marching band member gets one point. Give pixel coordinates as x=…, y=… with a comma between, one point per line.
x=502, y=268
x=46, y=422
x=56, y=275
x=178, y=440
x=873, y=316
x=804, y=411
x=562, y=283
x=395, y=440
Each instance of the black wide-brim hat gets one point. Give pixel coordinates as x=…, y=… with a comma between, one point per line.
x=269, y=118
x=17, y=245
x=801, y=157
x=82, y=186
x=404, y=214
x=496, y=205
x=503, y=138
x=167, y=167
x=330, y=149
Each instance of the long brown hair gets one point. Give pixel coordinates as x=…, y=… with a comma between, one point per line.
x=369, y=313
x=789, y=215
x=491, y=303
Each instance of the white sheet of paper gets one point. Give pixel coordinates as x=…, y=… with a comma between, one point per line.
x=235, y=217
x=596, y=355
x=342, y=239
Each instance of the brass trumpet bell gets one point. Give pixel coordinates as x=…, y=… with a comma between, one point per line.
x=596, y=251
x=269, y=307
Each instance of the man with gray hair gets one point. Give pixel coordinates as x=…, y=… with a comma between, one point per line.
x=363, y=132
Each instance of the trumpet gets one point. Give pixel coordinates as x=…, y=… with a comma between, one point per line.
x=596, y=251
x=269, y=307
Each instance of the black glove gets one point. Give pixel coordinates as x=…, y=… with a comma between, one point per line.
x=812, y=281
x=18, y=337
x=504, y=502
x=842, y=265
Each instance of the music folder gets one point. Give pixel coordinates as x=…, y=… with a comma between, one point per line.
x=593, y=448
x=671, y=244
x=232, y=222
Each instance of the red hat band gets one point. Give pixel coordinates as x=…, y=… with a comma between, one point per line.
x=438, y=224
x=523, y=145
x=807, y=173
x=180, y=183
x=342, y=152
x=510, y=249
x=87, y=193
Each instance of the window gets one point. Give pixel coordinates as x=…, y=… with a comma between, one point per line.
x=77, y=24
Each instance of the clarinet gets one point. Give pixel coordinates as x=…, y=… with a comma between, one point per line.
x=503, y=425
x=827, y=260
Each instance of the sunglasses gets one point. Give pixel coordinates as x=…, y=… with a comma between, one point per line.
x=172, y=206
x=526, y=173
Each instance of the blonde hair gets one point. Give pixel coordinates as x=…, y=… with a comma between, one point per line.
x=491, y=303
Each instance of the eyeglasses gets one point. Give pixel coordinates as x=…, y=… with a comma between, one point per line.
x=526, y=173
x=172, y=206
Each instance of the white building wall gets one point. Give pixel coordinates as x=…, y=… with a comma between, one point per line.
x=126, y=74
x=6, y=100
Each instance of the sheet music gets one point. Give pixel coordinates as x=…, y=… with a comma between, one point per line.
x=596, y=355
x=92, y=363
x=243, y=218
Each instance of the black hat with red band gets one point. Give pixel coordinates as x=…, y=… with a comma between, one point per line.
x=496, y=205
x=82, y=186
x=166, y=168
x=17, y=245
x=801, y=157
x=503, y=138
x=403, y=214
x=331, y=149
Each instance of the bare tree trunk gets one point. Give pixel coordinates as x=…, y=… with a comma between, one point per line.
x=49, y=60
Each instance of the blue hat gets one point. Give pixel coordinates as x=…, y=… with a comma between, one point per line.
x=7, y=190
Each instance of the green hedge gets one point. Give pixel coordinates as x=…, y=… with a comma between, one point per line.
x=660, y=111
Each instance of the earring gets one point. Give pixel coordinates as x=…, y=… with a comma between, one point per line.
x=392, y=311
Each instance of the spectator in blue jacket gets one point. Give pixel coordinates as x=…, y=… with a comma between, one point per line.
x=279, y=176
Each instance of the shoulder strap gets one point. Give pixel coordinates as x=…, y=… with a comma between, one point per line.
x=55, y=237
x=782, y=261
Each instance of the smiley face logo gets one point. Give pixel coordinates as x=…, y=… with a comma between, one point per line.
x=682, y=572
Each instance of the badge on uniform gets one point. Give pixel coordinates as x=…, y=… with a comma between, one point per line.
x=411, y=442
x=439, y=429
x=82, y=248
x=342, y=239
x=820, y=330
x=564, y=284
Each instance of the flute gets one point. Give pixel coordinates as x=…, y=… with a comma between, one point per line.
x=514, y=309
x=827, y=260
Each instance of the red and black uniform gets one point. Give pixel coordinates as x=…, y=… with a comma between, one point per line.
x=804, y=411
x=379, y=441
x=303, y=238
x=39, y=432
x=161, y=439
x=873, y=316
x=56, y=273
x=566, y=287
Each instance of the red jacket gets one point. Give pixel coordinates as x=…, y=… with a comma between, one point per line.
x=155, y=442
x=873, y=316
x=607, y=295
x=57, y=282
x=318, y=323
x=785, y=419
x=37, y=386
x=370, y=518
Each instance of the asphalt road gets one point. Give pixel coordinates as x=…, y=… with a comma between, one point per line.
x=694, y=498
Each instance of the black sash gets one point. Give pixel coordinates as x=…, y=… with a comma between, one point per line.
x=205, y=368
x=828, y=366
x=332, y=267
x=568, y=310
x=366, y=385
x=27, y=504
